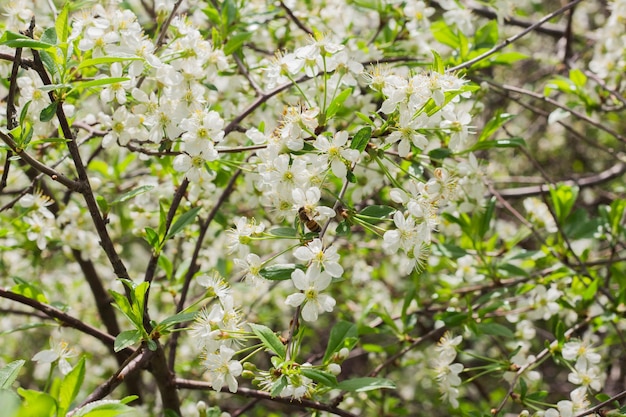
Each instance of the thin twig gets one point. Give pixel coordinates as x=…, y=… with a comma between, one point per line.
x=63, y=317
x=294, y=19
x=252, y=393
x=596, y=124
x=514, y=38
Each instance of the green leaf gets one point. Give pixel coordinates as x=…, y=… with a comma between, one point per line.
x=48, y=112
x=104, y=409
x=437, y=65
x=343, y=334
x=279, y=272
x=269, y=339
x=183, y=221
x=486, y=36
x=99, y=82
x=36, y=403
x=123, y=305
x=177, y=318
x=49, y=36
x=283, y=232
x=443, y=33
x=578, y=77
x=15, y=40
x=377, y=211
x=8, y=373
x=592, y=290
x=62, y=24
x=28, y=289
x=278, y=386
x=152, y=237
x=563, y=199
x=499, y=143
x=508, y=58
x=439, y=154
x=361, y=139
x=365, y=384
x=337, y=102
x=139, y=300
x=494, y=124
x=125, y=339
x=132, y=193
x=495, y=329
x=71, y=386
x=487, y=216
x=236, y=41
x=321, y=377
x=91, y=62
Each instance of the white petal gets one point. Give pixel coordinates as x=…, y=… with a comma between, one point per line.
x=294, y=300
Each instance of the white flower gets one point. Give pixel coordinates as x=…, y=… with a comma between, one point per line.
x=58, y=351
x=251, y=265
x=407, y=134
x=581, y=351
x=215, y=285
x=222, y=370
x=335, y=153
x=310, y=285
x=314, y=252
x=40, y=229
x=586, y=376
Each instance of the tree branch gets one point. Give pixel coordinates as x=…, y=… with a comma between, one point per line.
x=514, y=38
x=251, y=393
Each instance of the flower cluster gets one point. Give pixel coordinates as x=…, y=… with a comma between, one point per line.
x=447, y=372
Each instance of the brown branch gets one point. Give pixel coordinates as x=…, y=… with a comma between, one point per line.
x=607, y=175
x=294, y=19
x=514, y=38
x=546, y=29
x=131, y=366
x=56, y=176
x=62, y=317
x=581, y=116
x=154, y=259
x=166, y=25
x=193, y=265
x=252, y=393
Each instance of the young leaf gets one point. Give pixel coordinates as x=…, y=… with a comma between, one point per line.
x=494, y=124
x=62, y=24
x=343, y=334
x=269, y=339
x=283, y=232
x=335, y=105
x=437, y=65
x=499, y=143
x=125, y=339
x=37, y=403
x=177, y=318
x=365, y=384
x=236, y=41
x=152, y=237
x=377, y=211
x=48, y=112
x=71, y=386
x=278, y=272
x=361, y=139
x=183, y=221
x=8, y=374
x=320, y=377
x=15, y=40
x=132, y=193
x=563, y=199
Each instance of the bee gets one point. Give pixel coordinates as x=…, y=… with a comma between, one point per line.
x=310, y=224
